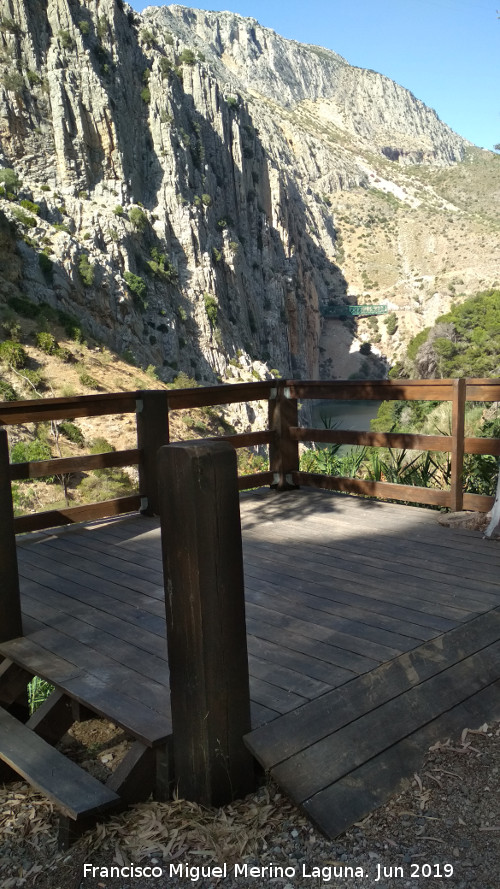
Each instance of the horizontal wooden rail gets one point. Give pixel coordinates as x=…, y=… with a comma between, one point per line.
x=67, y=516
x=384, y=490
x=374, y=439
x=247, y=439
x=255, y=480
x=231, y=393
x=372, y=390
x=63, y=465
x=478, y=502
x=15, y=412
x=483, y=390
x=482, y=446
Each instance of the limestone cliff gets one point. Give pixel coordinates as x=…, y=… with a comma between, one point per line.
x=197, y=178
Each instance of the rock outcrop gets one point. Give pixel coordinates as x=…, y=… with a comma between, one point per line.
x=189, y=170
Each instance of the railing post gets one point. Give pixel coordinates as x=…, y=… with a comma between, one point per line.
x=457, y=453
x=10, y=600
x=152, y=434
x=205, y=611
x=283, y=451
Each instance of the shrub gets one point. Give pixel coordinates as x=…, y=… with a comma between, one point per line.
x=147, y=37
x=187, y=57
x=391, y=322
x=183, y=381
x=165, y=66
x=84, y=28
x=47, y=343
x=138, y=218
x=365, y=348
x=211, y=308
x=87, y=380
x=26, y=451
x=66, y=39
x=13, y=81
x=233, y=102
x=72, y=432
x=7, y=392
x=29, y=205
x=46, y=265
x=101, y=446
x=138, y=289
x=118, y=211
x=146, y=95
x=10, y=180
x=86, y=270
x=13, y=354
x=23, y=306
x=207, y=200
x=24, y=219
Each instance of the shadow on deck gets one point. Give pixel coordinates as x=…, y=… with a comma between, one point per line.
x=371, y=632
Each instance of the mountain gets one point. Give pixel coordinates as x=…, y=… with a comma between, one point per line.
x=200, y=191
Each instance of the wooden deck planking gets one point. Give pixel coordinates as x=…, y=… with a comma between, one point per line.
x=333, y=591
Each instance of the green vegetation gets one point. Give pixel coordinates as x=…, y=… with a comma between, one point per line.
x=72, y=432
x=146, y=95
x=13, y=81
x=187, y=57
x=12, y=354
x=7, y=392
x=24, y=218
x=86, y=270
x=47, y=343
x=87, y=380
x=10, y=180
x=84, y=27
x=462, y=343
x=391, y=322
x=27, y=451
x=46, y=265
x=138, y=289
x=138, y=218
x=66, y=39
x=161, y=266
x=183, y=381
x=211, y=308
x=165, y=67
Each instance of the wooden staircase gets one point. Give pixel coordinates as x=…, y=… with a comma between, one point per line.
x=26, y=749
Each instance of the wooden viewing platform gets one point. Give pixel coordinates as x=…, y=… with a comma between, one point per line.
x=371, y=631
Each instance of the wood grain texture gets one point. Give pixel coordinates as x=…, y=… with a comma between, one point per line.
x=10, y=603
x=205, y=611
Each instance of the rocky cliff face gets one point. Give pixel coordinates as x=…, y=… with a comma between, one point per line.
x=200, y=181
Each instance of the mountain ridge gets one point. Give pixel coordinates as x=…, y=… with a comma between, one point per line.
x=258, y=211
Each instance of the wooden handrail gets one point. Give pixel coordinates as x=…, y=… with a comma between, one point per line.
x=283, y=436
x=63, y=465
x=374, y=439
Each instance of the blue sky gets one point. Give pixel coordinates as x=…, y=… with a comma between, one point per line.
x=447, y=52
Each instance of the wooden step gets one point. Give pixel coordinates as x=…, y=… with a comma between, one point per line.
x=76, y=793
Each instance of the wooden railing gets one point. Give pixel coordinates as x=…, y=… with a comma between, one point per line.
x=283, y=435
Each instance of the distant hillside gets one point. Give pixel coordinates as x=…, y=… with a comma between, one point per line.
x=196, y=190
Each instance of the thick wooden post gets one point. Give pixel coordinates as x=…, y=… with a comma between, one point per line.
x=10, y=601
x=205, y=609
x=152, y=434
x=457, y=454
x=283, y=451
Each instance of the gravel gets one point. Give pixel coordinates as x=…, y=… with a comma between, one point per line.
x=442, y=828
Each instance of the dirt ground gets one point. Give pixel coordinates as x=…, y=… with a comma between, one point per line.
x=442, y=828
